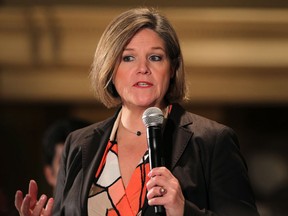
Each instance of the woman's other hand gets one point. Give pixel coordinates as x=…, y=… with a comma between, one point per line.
x=30, y=206
x=164, y=189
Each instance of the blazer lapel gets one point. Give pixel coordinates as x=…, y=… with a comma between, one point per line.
x=181, y=140
x=92, y=152
x=176, y=136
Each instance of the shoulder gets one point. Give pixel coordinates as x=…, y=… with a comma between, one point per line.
x=88, y=132
x=214, y=141
x=205, y=131
x=83, y=142
x=198, y=124
x=204, y=126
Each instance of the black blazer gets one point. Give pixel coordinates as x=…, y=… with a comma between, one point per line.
x=203, y=155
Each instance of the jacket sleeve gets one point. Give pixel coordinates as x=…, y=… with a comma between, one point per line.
x=69, y=171
x=59, y=190
x=228, y=186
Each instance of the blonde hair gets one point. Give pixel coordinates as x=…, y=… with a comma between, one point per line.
x=112, y=43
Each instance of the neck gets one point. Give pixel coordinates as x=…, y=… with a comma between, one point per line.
x=136, y=112
x=131, y=120
x=132, y=131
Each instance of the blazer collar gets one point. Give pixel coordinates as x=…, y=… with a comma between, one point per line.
x=176, y=136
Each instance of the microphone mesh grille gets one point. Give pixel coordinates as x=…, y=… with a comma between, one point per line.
x=153, y=116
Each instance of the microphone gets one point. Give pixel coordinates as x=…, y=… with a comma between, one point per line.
x=153, y=119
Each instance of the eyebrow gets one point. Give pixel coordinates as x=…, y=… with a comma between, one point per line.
x=153, y=48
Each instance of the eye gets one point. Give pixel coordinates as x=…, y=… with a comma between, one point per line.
x=155, y=58
x=127, y=58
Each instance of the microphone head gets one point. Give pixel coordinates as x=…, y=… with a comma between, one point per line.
x=153, y=116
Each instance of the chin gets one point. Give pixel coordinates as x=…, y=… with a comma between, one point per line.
x=147, y=105
x=146, y=102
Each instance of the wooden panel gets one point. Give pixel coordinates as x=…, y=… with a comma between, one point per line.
x=46, y=85
x=46, y=52
x=238, y=85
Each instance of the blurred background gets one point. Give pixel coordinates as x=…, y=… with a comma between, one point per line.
x=236, y=57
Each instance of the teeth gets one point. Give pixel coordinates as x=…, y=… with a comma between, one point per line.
x=142, y=84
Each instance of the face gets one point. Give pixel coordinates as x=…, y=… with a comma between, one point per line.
x=51, y=172
x=57, y=157
x=143, y=76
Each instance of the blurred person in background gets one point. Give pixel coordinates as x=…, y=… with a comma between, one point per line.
x=53, y=144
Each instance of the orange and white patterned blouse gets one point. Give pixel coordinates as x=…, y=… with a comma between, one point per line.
x=107, y=195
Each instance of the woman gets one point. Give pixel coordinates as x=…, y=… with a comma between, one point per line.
x=105, y=167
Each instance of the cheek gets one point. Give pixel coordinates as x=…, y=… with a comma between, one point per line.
x=167, y=84
x=168, y=78
x=55, y=165
x=164, y=84
x=120, y=74
x=121, y=85
x=116, y=79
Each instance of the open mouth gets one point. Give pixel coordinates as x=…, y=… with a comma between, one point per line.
x=143, y=84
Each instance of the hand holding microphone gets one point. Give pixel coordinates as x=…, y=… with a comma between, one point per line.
x=153, y=119
x=173, y=199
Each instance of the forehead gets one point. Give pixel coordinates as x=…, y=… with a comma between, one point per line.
x=146, y=37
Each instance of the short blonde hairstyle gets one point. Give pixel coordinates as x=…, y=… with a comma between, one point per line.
x=112, y=43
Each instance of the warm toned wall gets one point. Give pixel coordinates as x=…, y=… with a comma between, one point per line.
x=232, y=55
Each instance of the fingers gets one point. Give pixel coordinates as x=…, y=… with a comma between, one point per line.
x=156, y=181
x=49, y=206
x=18, y=199
x=22, y=204
x=156, y=192
x=156, y=186
x=159, y=171
x=29, y=205
x=33, y=192
x=39, y=206
x=159, y=176
x=164, y=189
x=25, y=207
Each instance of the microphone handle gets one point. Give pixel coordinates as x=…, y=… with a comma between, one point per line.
x=154, y=138
x=154, y=141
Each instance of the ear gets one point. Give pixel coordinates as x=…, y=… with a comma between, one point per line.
x=49, y=175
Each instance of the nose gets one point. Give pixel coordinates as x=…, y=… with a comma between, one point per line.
x=143, y=67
